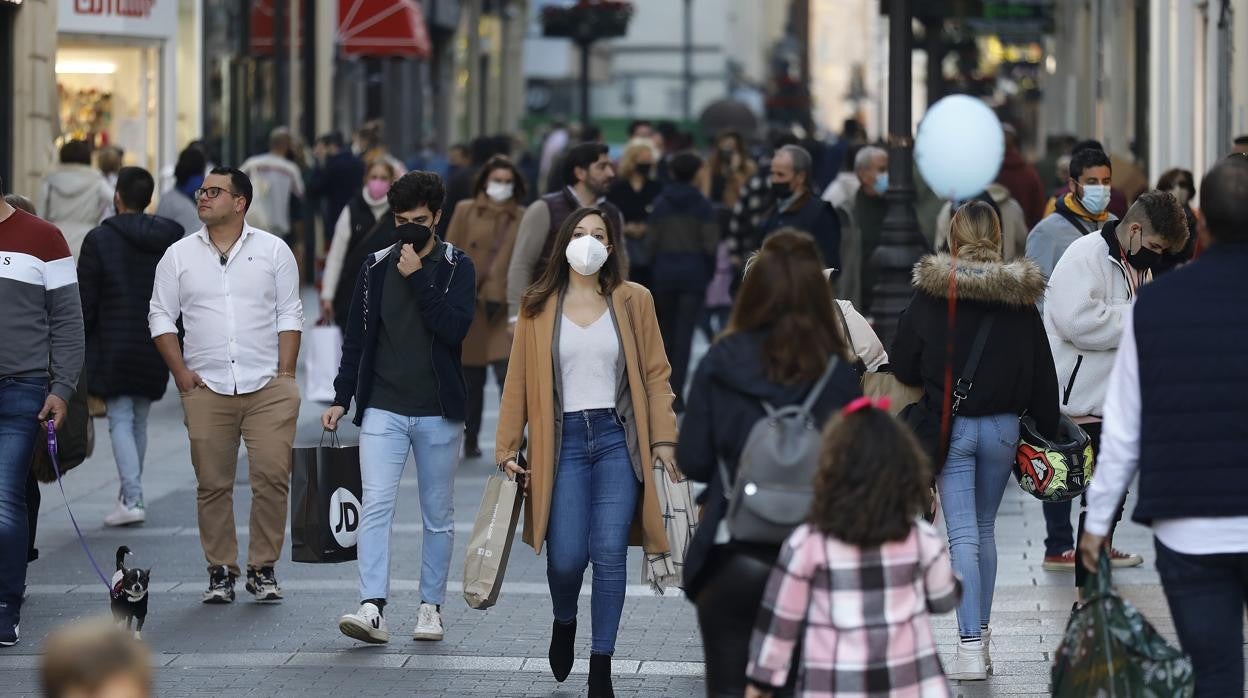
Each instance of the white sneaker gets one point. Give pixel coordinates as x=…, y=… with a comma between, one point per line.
x=428, y=623
x=123, y=515
x=987, y=655
x=968, y=664
x=366, y=625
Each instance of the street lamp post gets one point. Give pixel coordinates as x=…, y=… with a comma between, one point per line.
x=901, y=242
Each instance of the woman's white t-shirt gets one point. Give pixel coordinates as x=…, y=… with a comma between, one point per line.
x=588, y=358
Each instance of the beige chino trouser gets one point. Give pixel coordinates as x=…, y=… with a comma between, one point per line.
x=265, y=420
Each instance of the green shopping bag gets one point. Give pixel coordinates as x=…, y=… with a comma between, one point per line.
x=1110, y=650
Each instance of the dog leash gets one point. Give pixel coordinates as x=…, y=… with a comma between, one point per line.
x=56, y=468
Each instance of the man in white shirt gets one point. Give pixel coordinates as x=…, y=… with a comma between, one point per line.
x=275, y=178
x=237, y=291
x=1175, y=412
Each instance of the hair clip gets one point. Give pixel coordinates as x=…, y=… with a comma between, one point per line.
x=865, y=402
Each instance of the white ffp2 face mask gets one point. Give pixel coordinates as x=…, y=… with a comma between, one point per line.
x=499, y=192
x=586, y=255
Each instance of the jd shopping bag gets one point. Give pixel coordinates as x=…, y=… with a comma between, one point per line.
x=1110, y=650
x=323, y=348
x=490, y=545
x=325, y=493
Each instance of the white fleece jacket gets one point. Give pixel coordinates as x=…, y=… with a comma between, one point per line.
x=1085, y=307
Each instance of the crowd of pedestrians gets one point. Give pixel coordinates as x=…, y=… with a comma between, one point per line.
x=584, y=304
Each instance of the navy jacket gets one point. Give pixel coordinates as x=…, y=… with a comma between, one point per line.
x=447, y=297
x=116, y=270
x=682, y=239
x=1191, y=326
x=812, y=215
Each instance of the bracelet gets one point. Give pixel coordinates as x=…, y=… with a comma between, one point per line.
x=288, y=374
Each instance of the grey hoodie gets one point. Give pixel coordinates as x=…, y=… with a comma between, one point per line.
x=74, y=198
x=1048, y=241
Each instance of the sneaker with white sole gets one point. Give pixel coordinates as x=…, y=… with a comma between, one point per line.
x=126, y=514
x=262, y=584
x=1117, y=558
x=968, y=663
x=220, y=586
x=428, y=623
x=365, y=625
x=9, y=634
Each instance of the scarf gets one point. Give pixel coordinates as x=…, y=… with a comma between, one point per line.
x=680, y=520
x=1077, y=208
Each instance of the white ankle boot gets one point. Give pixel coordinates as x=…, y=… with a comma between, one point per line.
x=968, y=664
x=987, y=638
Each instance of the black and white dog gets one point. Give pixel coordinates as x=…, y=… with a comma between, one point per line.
x=129, y=594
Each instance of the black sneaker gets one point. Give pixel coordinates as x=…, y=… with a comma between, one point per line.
x=8, y=633
x=262, y=584
x=220, y=586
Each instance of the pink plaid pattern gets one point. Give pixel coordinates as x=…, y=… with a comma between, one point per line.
x=862, y=615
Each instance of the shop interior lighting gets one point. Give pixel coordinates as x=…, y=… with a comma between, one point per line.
x=85, y=68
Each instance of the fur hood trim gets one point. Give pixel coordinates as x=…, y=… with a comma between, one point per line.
x=1018, y=283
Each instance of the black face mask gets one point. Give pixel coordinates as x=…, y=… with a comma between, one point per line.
x=414, y=234
x=1145, y=259
x=726, y=154
x=782, y=190
x=644, y=168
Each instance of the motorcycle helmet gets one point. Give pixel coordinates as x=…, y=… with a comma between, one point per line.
x=1053, y=470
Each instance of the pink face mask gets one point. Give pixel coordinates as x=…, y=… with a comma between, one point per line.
x=377, y=188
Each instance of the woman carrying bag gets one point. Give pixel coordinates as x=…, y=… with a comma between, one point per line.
x=485, y=227
x=588, y=377
x=990, y=303
x=778, y=343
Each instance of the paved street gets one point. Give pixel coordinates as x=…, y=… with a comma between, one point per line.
x=295, y=649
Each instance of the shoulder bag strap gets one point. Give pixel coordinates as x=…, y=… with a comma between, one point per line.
x=1073, y=220
x=967, y=380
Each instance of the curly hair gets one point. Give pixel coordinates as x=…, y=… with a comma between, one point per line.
x=1164, y=215
x=873, y=479
x=416, y=189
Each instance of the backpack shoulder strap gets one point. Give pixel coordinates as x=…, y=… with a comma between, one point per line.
x=817, y=390
x=967, y=380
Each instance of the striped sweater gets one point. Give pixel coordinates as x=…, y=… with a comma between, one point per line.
x=42, y=323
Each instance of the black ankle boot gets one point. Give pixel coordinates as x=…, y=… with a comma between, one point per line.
x=562, y=637
x=600, y=676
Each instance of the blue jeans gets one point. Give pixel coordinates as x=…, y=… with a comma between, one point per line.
x=127, y=429
x=1207, y=595
x=591, y=513
x=385, y=439
x=20, y=402
x=981, y=450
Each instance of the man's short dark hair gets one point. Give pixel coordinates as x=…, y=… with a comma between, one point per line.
x=416, y=189
x=685, y=165
x=1164, y=215
x=1087, y=158
x=668, y=129
x=1224, y=200
x=1088, y=144
x=76, y=153
x=581, y=156
x=239, y=182
x=1241, y=140
x=332, y=139
x=191, y=162
x=636, y=124
x=135, y=187
x=592, y=132
x=461, y=147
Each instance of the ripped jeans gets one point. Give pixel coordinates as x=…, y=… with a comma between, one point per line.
x=385, y=440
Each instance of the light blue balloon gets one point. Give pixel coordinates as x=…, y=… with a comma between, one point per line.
x=959, y=147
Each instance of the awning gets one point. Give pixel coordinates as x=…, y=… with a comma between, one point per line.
x=382, y=28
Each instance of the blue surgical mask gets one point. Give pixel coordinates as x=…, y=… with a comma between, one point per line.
x=1095, y=197
x=881, y=182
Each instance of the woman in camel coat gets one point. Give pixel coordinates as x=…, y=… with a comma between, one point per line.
x=589, y=378
x=485, y=227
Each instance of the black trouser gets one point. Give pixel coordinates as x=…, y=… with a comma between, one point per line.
x=1207, y=596
x=728, y=604
x=475, y=377
x=678, y=313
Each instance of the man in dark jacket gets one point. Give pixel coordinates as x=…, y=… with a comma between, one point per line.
x=413, y=304
x=116, y=271
x=682, y=242
x=796, y=206
x=336, y=178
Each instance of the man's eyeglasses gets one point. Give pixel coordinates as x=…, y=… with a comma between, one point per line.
x=212, y=193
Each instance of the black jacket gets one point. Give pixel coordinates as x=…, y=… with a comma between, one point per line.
x=1015, y=374
x=336, y=183
x=812, y=215
x=368, y=235
x=682, y=239
x=448, y=300
x=724, y=403
x=116, y=270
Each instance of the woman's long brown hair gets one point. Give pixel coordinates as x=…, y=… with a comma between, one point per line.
x=785, y=295
x=555, y=279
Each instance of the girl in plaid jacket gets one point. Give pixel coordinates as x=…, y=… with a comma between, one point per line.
x=856, y=583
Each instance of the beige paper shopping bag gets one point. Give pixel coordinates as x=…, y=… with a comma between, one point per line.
x=490, y=544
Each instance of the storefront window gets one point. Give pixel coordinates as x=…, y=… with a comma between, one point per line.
x=109, y=95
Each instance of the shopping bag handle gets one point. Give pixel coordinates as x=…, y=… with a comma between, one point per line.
x=333, y=438
x=1099, y=583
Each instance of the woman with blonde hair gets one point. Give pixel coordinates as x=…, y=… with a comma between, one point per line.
x=634, y=192
x=988, y=302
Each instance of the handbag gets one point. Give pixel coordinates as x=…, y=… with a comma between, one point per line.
x=493, y=532
x=324, y=353
x=325, y=494
x=926, y=421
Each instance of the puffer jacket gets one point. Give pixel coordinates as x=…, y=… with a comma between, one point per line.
x=74, y=198
x=115, y=275
x=1085, y=310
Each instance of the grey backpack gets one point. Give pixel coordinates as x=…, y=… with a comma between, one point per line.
x=776, y=471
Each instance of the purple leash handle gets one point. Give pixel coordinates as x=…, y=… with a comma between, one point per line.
x=56, y=467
